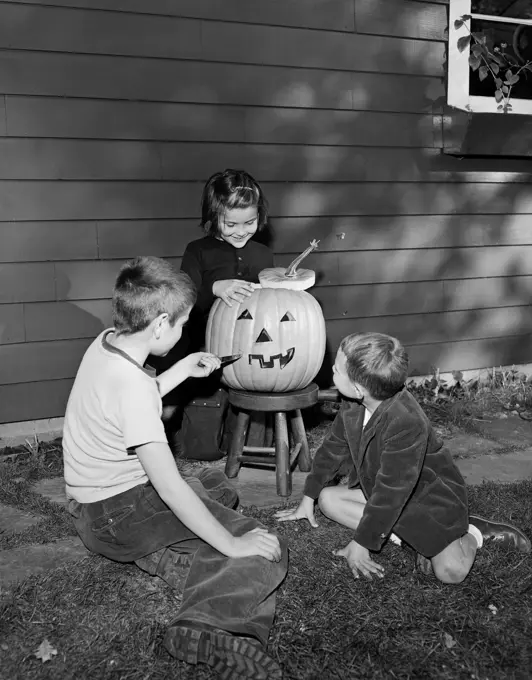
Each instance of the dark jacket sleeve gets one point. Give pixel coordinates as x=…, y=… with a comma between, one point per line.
x=328, y=459
x=192, y=265
x=404, y=445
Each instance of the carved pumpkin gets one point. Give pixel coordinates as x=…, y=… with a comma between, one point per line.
x=280, y=331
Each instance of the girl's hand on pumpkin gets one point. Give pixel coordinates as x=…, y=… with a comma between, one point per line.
x=259, y=542
x=201, y=364
x=233, y=290
x=305, y=510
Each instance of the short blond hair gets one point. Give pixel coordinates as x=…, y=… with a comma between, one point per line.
x=147, y=287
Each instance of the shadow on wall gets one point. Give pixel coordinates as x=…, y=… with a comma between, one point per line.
x=79, y=318
x=432, y=249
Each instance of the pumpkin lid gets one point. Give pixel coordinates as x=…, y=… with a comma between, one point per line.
x=291, y=277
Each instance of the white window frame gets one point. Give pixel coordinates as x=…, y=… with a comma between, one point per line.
x=459, y=71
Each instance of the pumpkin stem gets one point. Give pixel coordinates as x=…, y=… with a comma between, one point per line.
x=291, y=269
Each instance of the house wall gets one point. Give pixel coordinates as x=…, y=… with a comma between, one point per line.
x=114, y=113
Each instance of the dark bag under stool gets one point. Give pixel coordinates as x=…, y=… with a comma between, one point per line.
x=202, y=427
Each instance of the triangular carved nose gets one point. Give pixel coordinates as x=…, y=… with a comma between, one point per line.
x=263, y=336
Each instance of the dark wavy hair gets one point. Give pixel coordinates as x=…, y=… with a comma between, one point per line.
x=376, y=361
x=228, y=190
x=147, y=287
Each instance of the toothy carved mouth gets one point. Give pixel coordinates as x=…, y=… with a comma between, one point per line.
x=284, y=359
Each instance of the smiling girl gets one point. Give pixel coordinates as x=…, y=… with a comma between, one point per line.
x=225, y=263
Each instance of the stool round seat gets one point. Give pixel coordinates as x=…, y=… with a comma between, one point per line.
x=274, y=401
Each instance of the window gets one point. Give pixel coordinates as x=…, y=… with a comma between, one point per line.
x=506, y=28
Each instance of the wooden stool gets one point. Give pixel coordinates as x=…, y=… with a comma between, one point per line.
x=280, y=403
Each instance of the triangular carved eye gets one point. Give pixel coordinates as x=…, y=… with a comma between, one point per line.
x=263, y=336
x=288, y=317
x=245, y=315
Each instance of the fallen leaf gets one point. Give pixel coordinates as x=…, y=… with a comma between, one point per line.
x=449, y=641
x=45, y=651
x=493, y=609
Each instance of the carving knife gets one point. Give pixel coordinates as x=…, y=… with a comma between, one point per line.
x=230, y=358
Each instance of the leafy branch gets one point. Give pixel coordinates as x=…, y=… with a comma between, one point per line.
x=493, y=61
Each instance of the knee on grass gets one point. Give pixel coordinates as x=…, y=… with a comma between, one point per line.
x=450, y=571
x=327, y=502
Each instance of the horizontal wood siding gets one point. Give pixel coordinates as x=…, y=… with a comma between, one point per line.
x=157, y=37
x=413, y=19
x=44, y=241
x=332, y=15
x=30, y=362
x=33, y=400
x=48, y=159
x=113, y=113
x=83, y=280
x=109, y=77
x=114, y=119
x=76, y=200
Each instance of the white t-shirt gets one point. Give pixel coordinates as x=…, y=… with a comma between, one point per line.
x=114, y=406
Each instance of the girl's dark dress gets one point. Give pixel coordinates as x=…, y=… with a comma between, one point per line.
x=208, y=260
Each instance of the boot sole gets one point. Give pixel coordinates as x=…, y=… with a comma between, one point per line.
x=231, y=657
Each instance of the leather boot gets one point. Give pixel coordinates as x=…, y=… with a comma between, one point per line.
x=502, y=534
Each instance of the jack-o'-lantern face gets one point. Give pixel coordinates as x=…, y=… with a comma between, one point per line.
x=281, y=334
x=266, y=339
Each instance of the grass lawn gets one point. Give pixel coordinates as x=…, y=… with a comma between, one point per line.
x=108, y=620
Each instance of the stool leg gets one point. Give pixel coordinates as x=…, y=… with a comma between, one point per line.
x=236, y=446
x=298, y=430
x=282, y=456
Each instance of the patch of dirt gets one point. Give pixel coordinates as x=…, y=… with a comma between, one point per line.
x=509, y=430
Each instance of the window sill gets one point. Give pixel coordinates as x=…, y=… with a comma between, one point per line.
x=487, y=134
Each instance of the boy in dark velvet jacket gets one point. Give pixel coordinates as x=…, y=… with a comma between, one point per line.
x=402, y=479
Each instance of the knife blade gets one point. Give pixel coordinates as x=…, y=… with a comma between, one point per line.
x=230, y=358
x=226, y=360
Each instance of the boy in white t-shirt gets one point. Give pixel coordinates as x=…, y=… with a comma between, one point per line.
x=129, y=501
